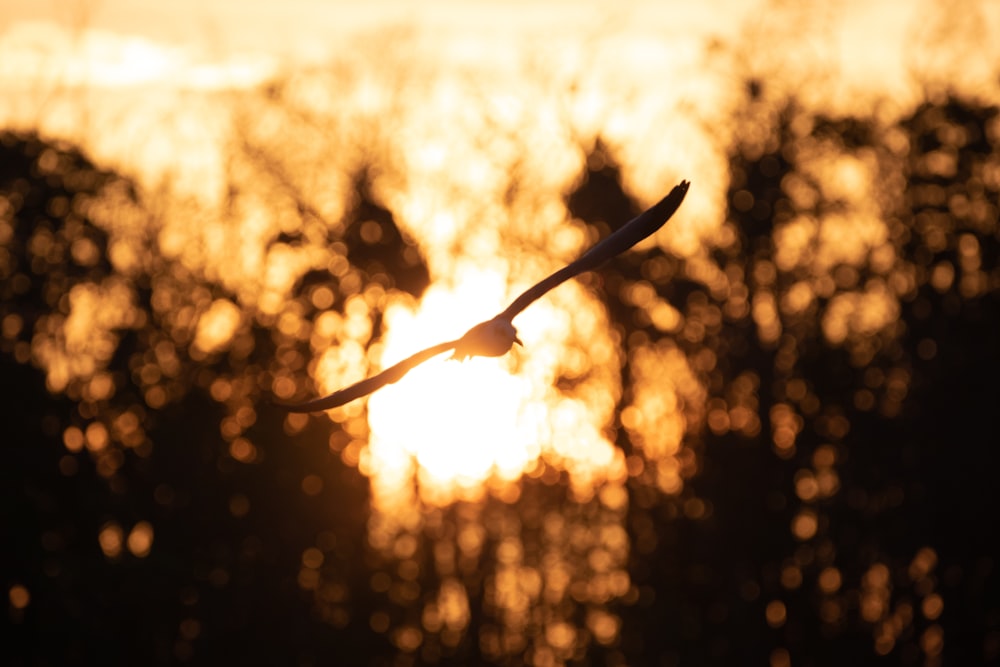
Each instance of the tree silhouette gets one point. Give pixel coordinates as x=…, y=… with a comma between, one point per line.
x=837, y=480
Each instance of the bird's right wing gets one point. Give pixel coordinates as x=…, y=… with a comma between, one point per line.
x=367, y=386
x=619, y=241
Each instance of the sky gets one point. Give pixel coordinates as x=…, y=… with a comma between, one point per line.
x=172, y=38
x=300, y=26
x=102, y=72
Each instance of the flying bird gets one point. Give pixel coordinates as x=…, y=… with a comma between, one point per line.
x=495, y=337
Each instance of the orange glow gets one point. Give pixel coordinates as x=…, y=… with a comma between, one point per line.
x=859, y=314
x=668, y=400
x=216, y=326
x=804, y=525
x=19, y=596
x=78, y=345
x=461, y=424
x=96, y=437
x=791, y=576
x=875, y=593
x=780, y=658
x=806, y=487
x=110, y=539
x=140, y=539
x=604, y=626
x=785, y=426
x=932, y=640
x=829, y=580
x=312, y=485
x=775, y=613
x=923, y=563
x=73, y=438
x=242, y=450
x=266, y=200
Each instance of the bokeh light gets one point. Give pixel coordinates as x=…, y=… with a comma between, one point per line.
x=755, y=436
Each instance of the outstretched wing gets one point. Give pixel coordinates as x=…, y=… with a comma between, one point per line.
x=621, y=240
x=630, y=233
x=367, y=386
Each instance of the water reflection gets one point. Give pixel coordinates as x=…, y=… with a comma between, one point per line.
x=693, y=441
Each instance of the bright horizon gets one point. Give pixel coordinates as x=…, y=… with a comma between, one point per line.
x=100, y=73
x=114, y=42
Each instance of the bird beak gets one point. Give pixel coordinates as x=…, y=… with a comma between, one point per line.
x=518, y=341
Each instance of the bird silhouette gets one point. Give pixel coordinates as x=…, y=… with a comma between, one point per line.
x=496, y=336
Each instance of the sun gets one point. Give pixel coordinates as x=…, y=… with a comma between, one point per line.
x=455, y=431
x=455, y=424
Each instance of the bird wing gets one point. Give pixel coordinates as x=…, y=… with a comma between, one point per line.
x=368, y=385
x=621, y=240
x=618, y=242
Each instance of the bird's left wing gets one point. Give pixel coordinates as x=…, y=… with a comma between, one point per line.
x=367, y=386
x=621, y=240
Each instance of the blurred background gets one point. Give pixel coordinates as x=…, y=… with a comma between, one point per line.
x=764, y=436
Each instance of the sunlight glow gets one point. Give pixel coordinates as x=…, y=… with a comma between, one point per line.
x=462, y=424
x=104, y=58
x=216, y=326
x=458, y=421
x=668, y=401
x=298, y=231
x=78, y=345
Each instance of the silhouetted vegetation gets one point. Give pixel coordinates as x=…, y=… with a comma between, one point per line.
x=845, y=517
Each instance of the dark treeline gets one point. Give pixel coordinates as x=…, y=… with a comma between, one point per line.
x=866, y=542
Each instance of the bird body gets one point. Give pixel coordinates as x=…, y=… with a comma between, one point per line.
x=495, y=337
x=492, y=338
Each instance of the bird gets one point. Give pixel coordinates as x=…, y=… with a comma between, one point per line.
x=497, y=336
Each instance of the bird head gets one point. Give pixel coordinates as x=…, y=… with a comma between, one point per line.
x=492, y=338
